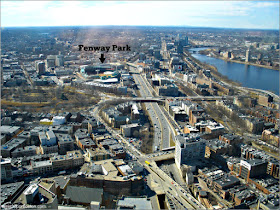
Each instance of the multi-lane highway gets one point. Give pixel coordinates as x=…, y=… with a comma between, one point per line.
x=161, y=125
x=183, y=198
x=152, y=113
x=180, y=197
x=162, y=132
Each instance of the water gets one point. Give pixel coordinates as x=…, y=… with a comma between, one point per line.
x=247, y=75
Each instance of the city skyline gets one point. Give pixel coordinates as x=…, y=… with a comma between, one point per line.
x=217, y=14
x=139, y=116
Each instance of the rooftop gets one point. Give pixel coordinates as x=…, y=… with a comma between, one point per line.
x=64, y=138
x=43, y=163
x=134, y=203
x=126, y=170
x=97, y=151
x=30, y=189
x=8, y=190
x=61, y=181
x=109, y=171
x=28, y=148
x=4, y=129
x=227, y=181
x=253, y=162
x=84, y=194
x=189, y=138
x=13, y=143
x=133, y=125
x=87, y=142
x=50, y=134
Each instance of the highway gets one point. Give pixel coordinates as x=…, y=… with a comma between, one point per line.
x=159, y=121
x=173, y=189
x=180, y=197
x=158, y=135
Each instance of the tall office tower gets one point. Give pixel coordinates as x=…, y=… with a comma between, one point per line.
x=51, y=61
x=181, y=41
x=157, y=64
x=180, y=48
x=40, y=67
x=248, y=55
x=157, y=54
x=186, y=40
x=59, y=60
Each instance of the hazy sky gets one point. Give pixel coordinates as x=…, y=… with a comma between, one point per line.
x=230, y=14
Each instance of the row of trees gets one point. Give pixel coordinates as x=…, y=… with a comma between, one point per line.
x=96, y=89
x=218, y=112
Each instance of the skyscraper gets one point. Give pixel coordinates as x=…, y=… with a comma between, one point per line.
x=181, y=42
x=59, y=60
x=40, y=67
x=51, y=61
x=248, y=55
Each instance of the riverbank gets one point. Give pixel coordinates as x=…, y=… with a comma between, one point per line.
x=215, y=71
x=248, y=63
x=250, y=77
x=206, y=52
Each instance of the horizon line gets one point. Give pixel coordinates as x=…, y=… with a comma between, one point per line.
x=178, y=26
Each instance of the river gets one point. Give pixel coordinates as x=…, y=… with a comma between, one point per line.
x=247, y=75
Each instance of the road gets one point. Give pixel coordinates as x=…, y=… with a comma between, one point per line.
x=159, y=121
x=174, y=191
x=152, y=113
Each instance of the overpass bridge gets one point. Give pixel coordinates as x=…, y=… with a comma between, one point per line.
x=163, y=98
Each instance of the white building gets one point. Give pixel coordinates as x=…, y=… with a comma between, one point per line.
x=58, y=120
x=128, y=130
x=6, y=169
x=188, y=147
x=31, y=192
x=190, y=77
x=189, y=178
x=48, y=142
x=42, y=167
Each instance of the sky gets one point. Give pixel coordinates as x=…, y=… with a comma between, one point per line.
x=222, y=14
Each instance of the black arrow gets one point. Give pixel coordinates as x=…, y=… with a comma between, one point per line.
x=102, y=59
